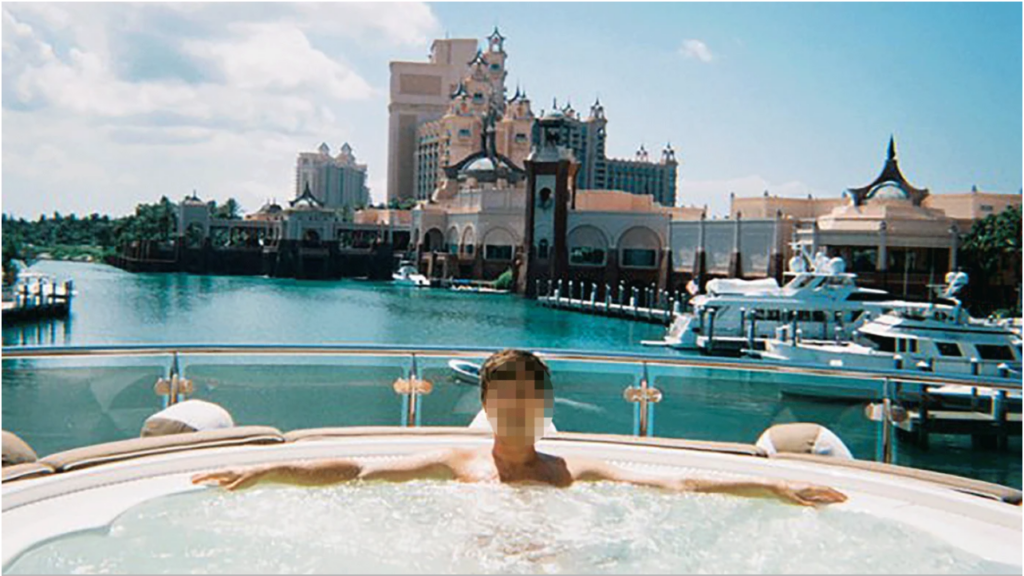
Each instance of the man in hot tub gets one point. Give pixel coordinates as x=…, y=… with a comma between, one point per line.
x=516, y=392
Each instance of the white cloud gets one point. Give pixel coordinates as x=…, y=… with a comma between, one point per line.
x=279, y=57
x=108, y=105
x=715, y=193
x=403, y=23
x=693, y=48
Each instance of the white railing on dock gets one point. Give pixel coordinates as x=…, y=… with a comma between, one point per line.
x=647, y=304
x=40, y=297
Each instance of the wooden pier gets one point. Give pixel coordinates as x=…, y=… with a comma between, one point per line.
x=989, y=423
x=642, y=304
x=38, y=300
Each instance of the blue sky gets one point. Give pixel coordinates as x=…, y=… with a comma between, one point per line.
x=105, y=106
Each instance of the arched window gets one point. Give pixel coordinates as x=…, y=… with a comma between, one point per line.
x=452, y=240
x=544, y=199
x=588, y=246
x=433, y=240
x=498, y=245
x=468, y=241
x=638, y=248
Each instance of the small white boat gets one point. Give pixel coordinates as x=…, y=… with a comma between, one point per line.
x=408, y=275
x=478, y=290
x=467, y=372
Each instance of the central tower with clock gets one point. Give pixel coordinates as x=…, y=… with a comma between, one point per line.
x=550, y=194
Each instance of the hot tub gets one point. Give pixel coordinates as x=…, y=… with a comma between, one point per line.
x=142, y=514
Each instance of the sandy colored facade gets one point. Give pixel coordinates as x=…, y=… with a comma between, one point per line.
x=419, y=93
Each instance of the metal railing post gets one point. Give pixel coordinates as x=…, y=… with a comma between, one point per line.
x=643, y=398
x=886, y=422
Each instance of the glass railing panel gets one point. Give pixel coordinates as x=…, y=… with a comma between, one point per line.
x=734, y=404
x=292, y=392
x=454, y=399
x=56, y=404
x=589, y=395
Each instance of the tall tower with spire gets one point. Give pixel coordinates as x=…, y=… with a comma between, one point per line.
x=479, y=95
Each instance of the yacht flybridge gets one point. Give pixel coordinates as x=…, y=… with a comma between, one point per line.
x=821, y=299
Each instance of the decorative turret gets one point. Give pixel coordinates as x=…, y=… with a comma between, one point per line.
x=568, y=110
x=597, y=110
x=642, y=155
x=193, y=199
x=668, y=155
x=496, y=42
x=890, y=177
x=324, y=149
x=306, y=200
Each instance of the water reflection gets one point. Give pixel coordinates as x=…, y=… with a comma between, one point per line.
x=43, y=332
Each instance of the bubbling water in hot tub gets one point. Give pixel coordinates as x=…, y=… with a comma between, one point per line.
x=428, y=526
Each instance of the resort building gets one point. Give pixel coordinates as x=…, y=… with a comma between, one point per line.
x=894, y=235
x=586, y=138
x=489, y=215
x=335, y=181
x=421, y=92
x=444, y=135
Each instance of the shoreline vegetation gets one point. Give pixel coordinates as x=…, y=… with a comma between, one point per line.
x=91, y=238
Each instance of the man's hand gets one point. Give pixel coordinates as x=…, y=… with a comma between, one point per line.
x=235, y=479
x=808, y=494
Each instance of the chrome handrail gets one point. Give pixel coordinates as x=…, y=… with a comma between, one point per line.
x=880, y=376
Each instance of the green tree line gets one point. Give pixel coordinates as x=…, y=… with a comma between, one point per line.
x=95, y=236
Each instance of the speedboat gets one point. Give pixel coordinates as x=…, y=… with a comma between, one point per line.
x=408, y=275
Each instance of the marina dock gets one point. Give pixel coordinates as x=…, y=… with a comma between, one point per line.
x=38, y=300
x=989, y=422
x=646, y=305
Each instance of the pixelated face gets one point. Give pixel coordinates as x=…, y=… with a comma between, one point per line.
x=518, y=400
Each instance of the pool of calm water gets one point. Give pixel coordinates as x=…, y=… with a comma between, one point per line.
x=448, y=527
x=55, y=406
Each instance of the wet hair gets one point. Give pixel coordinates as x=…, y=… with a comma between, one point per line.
x=509, y=364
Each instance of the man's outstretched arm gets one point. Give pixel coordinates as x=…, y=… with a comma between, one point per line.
x=794, y=493
x=326, y=472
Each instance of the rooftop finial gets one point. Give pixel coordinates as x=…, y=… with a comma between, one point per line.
x=892, y=147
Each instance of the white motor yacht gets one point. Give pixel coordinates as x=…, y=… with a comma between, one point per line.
x=821, y=298
x=926, y=338
x=408, y=275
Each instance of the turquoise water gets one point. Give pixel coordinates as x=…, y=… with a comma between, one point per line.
x=115, y=307
x=61, y=404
